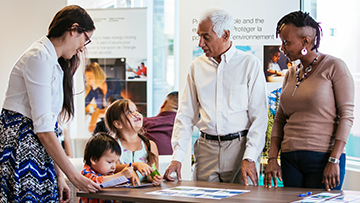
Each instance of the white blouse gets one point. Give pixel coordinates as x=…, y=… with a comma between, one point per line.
x=35, y=87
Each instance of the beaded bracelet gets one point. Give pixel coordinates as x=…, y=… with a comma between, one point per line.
x=271, y=158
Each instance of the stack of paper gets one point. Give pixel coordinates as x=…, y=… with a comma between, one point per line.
x=330, y=198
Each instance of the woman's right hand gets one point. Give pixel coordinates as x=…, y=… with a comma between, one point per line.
x=84, y=184
x=272, y=171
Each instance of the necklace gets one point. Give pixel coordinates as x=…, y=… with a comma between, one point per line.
x=307, y=70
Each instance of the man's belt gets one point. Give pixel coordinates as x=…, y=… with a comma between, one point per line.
x=227, y=137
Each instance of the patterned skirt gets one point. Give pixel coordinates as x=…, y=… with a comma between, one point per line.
x=26, y=170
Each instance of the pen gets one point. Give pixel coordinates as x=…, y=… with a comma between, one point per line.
x=305, y=194
x=129, y=178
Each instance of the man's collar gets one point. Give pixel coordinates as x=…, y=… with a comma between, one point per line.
x=226, y=57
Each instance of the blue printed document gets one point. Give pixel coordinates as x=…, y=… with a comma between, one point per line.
x=114, y=182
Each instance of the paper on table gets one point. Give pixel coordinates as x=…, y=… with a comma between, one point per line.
x=136, y=186
x=199, y=192
x=322, y=196
x=114, y=182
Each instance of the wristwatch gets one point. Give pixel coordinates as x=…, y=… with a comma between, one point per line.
x=334, y=160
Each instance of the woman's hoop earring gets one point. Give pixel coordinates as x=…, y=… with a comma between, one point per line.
x=304, y=51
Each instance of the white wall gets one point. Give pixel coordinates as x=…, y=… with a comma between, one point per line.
x=22, y=22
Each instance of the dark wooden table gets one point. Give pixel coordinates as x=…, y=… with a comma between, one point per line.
x=257, y=194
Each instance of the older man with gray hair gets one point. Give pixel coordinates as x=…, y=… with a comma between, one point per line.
x=227, y=88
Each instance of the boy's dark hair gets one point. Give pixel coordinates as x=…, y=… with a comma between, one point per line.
x=98, y=144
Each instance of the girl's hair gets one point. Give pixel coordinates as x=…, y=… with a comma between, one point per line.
x=62, y=22
x=117, y=112
x=98, y=145
x=300, y=19
x=98, y=72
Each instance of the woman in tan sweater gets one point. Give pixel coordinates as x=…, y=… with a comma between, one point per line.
x=315, y=112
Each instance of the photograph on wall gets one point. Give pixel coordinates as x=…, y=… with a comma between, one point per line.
x=136, y=69
x=136, y=92
x=119, y=48
x=275, y=64
x=104, y=80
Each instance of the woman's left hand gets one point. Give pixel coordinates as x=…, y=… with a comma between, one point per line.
x=331, y=177
x=64, y=190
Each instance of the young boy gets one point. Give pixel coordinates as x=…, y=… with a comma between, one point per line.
x=101, y=154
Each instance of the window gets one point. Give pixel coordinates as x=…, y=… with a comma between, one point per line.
x=340, y=24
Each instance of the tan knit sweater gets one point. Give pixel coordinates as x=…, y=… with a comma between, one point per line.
x=320, y=111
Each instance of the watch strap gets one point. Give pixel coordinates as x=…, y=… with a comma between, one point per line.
x=334, y=160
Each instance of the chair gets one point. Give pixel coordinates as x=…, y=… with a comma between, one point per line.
x=164, y=162
x=78, y=164
x=79, y=146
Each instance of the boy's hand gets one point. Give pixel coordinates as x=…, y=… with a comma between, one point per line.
x=127, y=171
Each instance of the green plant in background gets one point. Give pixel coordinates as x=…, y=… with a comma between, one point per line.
x=273, y=105
x=265, y=152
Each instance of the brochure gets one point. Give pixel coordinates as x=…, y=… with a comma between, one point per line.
x=114, y=182
x=199, y=192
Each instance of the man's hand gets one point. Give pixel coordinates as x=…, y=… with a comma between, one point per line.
x=249, y=169
x=174, y=166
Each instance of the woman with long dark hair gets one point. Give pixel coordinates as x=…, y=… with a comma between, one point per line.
x=40, y=92
x=315, y=113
